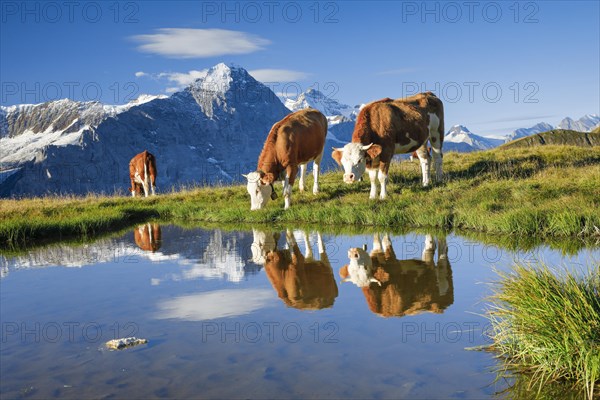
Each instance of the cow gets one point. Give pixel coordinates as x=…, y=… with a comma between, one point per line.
x=300, y=281
x=148, y=237
x=292, y=142
x=142, y=172
x=387, y=127
x=395, y=288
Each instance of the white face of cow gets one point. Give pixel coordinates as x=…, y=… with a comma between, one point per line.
x=353, y=160
x=260, y=192
x=360, y=269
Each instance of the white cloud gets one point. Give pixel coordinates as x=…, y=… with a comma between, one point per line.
x=178, y=80
x=215, y=304
x=199, y=43
x=183, y=78
x=277, y=75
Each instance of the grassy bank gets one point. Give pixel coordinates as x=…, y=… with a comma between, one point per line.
x=553, y=333
x=549, y=191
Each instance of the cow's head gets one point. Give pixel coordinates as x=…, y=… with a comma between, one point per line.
x=360, y=269
x=259, y=189
x=354, y=157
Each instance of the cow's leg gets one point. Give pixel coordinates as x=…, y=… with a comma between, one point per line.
x=383, y=170
x=133, y=186
x=376, y=243
x=316, y=166
x=302, y=174
x=428, y=250
x=308, y=254
x=424, y=158
x=320, y=245
x=436, y=137
x=443, y=268
x=386, y=242
x=373, y=179
x=290, y=177
x=153, y=185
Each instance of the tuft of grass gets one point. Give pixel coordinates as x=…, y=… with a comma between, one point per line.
x=546, y=324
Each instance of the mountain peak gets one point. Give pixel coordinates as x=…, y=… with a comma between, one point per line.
x=316, y=99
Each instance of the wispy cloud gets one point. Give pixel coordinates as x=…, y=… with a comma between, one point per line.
x=176, y=80
x=278, y=75
x=199, y=43
x=216, y=304
x=398, y=71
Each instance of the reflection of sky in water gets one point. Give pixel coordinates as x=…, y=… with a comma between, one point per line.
x=217, y=327
x=215, y=304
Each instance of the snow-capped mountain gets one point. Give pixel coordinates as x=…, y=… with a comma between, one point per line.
x=340, y=117
x=584, y=124
x=72, y=147
x=460, y=138
x=28, y=128
x=523, y=132
x=315, y=99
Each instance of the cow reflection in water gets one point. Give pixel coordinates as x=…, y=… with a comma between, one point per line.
x=395, y=288
x=299, y=280
x=148, y=237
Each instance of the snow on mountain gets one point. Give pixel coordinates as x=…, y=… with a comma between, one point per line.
x=523, y=132
x=331, y=108
x=73, y=147
x=461, y=135
x=26, y=129
x=340, y=117
x=584, y=124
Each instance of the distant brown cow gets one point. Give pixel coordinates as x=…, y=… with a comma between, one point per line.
x=299, y=280
x=142, y=172
x=148, y=237
x=292, y=142
x=395, y=288
x=387, y=127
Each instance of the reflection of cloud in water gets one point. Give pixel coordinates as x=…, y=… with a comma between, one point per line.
x=215, y=304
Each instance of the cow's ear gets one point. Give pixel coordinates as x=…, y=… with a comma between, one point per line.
x=374, y=151
x=337, y=156
x=344, y=271
x=267, y=178
x=245, y=176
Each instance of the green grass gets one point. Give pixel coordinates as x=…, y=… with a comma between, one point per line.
x=546, y=324
x=546, y=192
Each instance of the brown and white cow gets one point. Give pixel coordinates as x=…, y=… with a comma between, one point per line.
x=148, y=237
x=292, y=142
x=387, y=127
x=299, y=280
x=142, y=172
x=395, y=288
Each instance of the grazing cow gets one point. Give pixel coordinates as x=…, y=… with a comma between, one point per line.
x=148, y=237
x=142, y=172
x=387, y=127
x=395, y=288
x=300, y=281
x=292, y=143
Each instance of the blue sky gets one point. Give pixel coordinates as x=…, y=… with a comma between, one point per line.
x=497, y=65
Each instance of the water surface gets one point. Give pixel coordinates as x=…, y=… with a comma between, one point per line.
x=253, y=315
